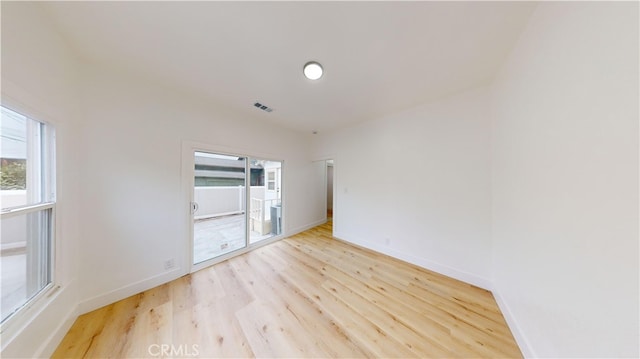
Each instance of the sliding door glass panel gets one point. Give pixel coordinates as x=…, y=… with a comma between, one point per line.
x=265, y=207
x=219, y=193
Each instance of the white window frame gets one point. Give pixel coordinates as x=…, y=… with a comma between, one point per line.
x=46, y=191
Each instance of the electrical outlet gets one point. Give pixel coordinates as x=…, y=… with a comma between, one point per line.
x=169, y=263
x=224, y=245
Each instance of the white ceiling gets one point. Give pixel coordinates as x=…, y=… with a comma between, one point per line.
x=379, y=57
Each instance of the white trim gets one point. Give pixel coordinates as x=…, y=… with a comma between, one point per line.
x=247, y=201
x=335, y=206
x=523, y=343
x=187, y=182
x=46, y=178
x=115, y=295
x=325, y=176
x=325, y=173
x=252, y=246
x=50, y=298
x=452, y=272
x=50, y=344
x=207, y=216
x=165, y=277
x=235, y=253
x=187, y=185
x=25, y=314
x=227, y=150
x=335, y=201
x=16, y=211
x=297, y=230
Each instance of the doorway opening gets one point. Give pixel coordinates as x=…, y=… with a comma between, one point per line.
x=329, y=189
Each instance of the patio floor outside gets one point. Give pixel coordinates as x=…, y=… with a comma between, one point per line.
x=221, y=235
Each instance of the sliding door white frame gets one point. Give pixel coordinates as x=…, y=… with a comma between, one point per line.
x=188, y=164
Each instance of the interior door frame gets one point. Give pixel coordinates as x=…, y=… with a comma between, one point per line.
x=323, y=160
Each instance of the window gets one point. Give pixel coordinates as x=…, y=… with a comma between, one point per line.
x=28, y=203
x=271, y=180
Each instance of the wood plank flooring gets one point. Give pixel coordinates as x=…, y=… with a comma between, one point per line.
x=305, y=296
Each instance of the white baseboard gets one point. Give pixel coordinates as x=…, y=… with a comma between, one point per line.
x=41, y=327
x=162, y=278
x=518, y=334
x=305, y=227
x=115, y=295
x=478, y=281
x=455, y=273
x=51, y=343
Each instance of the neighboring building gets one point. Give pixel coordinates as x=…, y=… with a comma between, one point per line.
x=215, y=172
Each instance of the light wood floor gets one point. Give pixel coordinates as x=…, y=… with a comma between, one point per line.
x=304, y=296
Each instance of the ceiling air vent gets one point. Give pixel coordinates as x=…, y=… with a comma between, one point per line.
x=262, y=107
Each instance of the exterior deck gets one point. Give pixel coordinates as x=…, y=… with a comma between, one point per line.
x=220, y=235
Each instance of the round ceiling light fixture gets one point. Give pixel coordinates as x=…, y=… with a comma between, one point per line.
x=312, y=70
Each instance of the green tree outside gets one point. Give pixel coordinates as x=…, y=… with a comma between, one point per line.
x=13, y=174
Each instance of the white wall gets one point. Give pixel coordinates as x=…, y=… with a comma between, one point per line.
x=565, y=181
x=416, y=185
x=133, y=198
x=39, y=80
x=121, y=210
x=561, y=207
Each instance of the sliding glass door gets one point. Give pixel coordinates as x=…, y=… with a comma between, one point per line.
x=219, y=204
x=221, y=223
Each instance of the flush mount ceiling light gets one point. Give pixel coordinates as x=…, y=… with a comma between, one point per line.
x=312, y=70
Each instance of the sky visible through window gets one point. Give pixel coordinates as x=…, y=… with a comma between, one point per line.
x=13, y=135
